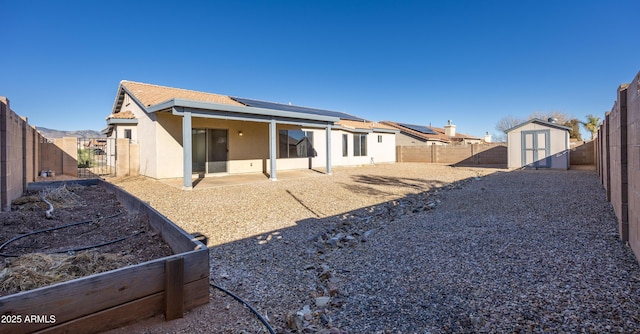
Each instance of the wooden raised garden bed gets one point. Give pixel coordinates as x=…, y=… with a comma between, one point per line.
x=171, y=284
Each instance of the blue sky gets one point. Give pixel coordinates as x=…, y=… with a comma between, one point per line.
x=421, y=62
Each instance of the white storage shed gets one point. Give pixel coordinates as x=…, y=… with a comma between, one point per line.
x=539, y=144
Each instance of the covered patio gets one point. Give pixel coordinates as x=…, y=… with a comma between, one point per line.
x=188, y=110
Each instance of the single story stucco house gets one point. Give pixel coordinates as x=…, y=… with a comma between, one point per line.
x=420, y=135
x=183, y=132
x=538, y=143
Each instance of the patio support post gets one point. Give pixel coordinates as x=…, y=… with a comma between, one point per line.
x=328, y=149
x=186, y=151
x=272, y=150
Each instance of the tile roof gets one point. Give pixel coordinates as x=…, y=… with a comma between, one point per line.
x=150, y=95
x=127, y=114
x=363, y=125
x=438, y=136
x=457, y=136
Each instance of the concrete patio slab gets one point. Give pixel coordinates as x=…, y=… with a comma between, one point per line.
x=212, y=181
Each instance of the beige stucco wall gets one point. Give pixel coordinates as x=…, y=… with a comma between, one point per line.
x=380, y=152
x=247, y=153
x=120, y=129
x=145, y=134
x=384, y=151
x=350, y=159
x=558, y=146
x=168, y=149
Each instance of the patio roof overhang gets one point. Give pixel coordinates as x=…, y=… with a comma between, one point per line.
x=226, y=111
x=112, y=121
x=188, y=109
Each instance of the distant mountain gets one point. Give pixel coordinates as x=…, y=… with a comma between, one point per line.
x=50, y=133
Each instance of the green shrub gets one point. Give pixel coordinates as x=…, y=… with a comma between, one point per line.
x=85, y=158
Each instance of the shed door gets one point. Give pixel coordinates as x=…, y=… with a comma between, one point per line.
x=535, y=148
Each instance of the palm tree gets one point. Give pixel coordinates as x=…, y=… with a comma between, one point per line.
x=592, y=124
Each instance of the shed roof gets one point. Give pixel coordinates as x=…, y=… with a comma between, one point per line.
x=541, y=122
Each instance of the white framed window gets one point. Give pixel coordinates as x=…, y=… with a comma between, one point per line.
x=345, y=145
x=359, y=145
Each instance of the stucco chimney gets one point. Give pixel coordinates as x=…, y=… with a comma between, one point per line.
x=450, y=129
x=487, y=138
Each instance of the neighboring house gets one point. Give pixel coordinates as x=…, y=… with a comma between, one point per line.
x=537, y=143
x=183, y=132
x=122, y=125
x=417, y=135
x=95, y=144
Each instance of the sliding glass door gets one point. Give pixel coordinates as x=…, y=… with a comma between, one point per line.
x=209, y=150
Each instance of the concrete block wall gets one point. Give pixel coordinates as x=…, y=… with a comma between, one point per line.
x=606, y=154
x=453, y=154
x=472, y=154
x=633, y=163
x=19, y=156
x=60, y=156
x=584, y=153
x=619, y=161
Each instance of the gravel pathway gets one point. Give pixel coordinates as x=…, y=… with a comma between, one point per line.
x=409, y=248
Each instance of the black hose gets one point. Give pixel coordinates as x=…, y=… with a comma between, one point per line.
x=260, y=317
x=51, y=229
x=107, y=243
x=80, y=248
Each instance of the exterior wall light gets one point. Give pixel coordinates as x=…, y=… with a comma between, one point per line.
x=240, y=133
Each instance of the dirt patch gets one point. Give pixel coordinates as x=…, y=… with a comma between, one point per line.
x=89, y=231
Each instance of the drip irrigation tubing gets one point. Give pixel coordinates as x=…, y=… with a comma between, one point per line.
x=106, y=243
x=260, y=317
x=58, y=228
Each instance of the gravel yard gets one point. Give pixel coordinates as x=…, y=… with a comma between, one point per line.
x=407, y=248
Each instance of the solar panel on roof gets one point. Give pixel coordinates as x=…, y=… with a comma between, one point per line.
x=291, y=108
x=419, y=128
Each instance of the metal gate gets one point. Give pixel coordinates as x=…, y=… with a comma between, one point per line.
x=96, y=157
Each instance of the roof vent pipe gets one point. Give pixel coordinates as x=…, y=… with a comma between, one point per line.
x=552, y=120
